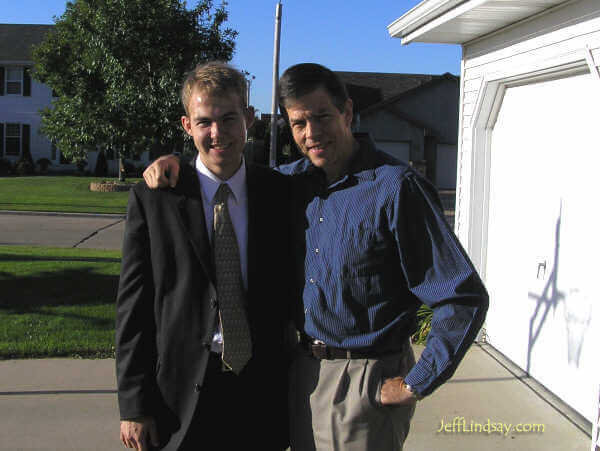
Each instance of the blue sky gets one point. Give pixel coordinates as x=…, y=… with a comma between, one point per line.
x=343, y=35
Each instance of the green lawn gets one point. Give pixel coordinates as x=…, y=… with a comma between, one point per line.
x=57, y=302
x=59, y=193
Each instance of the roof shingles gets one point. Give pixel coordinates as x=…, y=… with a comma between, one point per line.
x=16, y=40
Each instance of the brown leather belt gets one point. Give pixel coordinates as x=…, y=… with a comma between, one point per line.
x=321, y=351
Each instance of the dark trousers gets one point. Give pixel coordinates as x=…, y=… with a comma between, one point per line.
x=220, y=416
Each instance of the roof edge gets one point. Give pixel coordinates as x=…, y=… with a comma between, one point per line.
x=423, y=13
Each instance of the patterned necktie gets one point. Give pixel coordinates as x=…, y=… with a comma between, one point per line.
x=237, y=344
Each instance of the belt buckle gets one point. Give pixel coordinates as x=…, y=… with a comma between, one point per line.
x=319, y=350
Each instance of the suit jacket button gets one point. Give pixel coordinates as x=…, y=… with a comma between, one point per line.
x=196, y=388
x=206, y=344
x=213, y=303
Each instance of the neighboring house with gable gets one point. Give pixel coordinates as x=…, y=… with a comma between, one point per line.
x=413, y=117
x=21, y=99
x=527, y=164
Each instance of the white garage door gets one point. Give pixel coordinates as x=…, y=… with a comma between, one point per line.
x=445, y=166
x=542, y=254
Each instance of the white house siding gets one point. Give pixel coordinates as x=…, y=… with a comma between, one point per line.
x=19, y=109
x=24, y=110
x=526, y=193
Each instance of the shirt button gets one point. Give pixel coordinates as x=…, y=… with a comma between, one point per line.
x=197, y=388
x=316, y=250
x=311, y=280
x=321, y=219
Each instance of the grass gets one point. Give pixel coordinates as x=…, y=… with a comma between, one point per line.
x=62, y=193
x=57, y=302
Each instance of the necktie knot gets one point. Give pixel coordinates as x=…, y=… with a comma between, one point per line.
x=222, y=194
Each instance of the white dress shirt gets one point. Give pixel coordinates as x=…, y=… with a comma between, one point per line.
x=237, y=204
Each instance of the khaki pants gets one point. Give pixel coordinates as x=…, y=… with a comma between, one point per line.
x=335, y=404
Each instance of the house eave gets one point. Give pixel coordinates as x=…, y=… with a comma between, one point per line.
x=461, y=21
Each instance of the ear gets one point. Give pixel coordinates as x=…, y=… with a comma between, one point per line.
x=187, y=124
x=249, y=116
x=348, y=112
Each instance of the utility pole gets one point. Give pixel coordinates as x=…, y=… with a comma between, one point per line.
x=273, y=152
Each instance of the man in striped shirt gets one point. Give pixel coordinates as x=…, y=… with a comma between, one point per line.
x=372, y=246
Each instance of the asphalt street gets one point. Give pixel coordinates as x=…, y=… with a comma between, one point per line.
x=62, y=230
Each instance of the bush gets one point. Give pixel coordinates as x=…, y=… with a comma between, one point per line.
x=81, y=164
x=131, y=170
x=101, y=165
x=424, y=317
x=5, y=167
x=43, y=163
x=24, y=167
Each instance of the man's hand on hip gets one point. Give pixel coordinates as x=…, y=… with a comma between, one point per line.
x=395, y=393
x=137, y=433
x=163, y=172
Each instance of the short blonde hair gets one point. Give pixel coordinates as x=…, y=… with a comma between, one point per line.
x=214, y=77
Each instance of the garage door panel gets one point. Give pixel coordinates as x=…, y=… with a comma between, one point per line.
x=542, y=242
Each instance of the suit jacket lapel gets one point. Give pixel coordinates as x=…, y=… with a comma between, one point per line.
x=255, y=213
x=191, y=215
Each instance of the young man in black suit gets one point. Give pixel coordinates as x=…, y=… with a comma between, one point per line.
x=176, y=388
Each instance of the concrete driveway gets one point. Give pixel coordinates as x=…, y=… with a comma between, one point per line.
x=70, y=404
x=62, y=230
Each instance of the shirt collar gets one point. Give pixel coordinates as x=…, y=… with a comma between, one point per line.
x=364, y=160
x=209, y=182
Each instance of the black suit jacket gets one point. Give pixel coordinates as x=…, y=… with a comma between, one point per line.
x=167, y=303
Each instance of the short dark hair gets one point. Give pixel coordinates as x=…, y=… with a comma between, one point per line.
x=304, y=78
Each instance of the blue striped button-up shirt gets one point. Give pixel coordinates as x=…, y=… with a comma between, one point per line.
x=376, y=245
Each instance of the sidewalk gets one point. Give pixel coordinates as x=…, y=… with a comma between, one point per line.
x=69, y=404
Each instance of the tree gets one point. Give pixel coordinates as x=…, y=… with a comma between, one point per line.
x=116, y=67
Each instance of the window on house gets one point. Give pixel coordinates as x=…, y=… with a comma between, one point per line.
x=14, y=80
x=13, y=139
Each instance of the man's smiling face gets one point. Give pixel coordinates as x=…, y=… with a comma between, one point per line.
x=321, y=131
x=217, y=122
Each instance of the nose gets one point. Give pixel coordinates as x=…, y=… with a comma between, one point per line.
x=215, y=129
x=313, y=130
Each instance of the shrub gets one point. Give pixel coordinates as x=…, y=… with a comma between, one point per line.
x=43, y=163
x=24, y=167
x=5, y=167
x=132, y=170
x=424, y=316
x=81, y=164
x=101, y=165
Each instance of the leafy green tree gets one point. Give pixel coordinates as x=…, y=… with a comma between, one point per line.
x=116, y=66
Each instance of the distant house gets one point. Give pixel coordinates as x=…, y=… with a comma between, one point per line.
x=528, y=161
x=413, y=117
x=21, y=99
